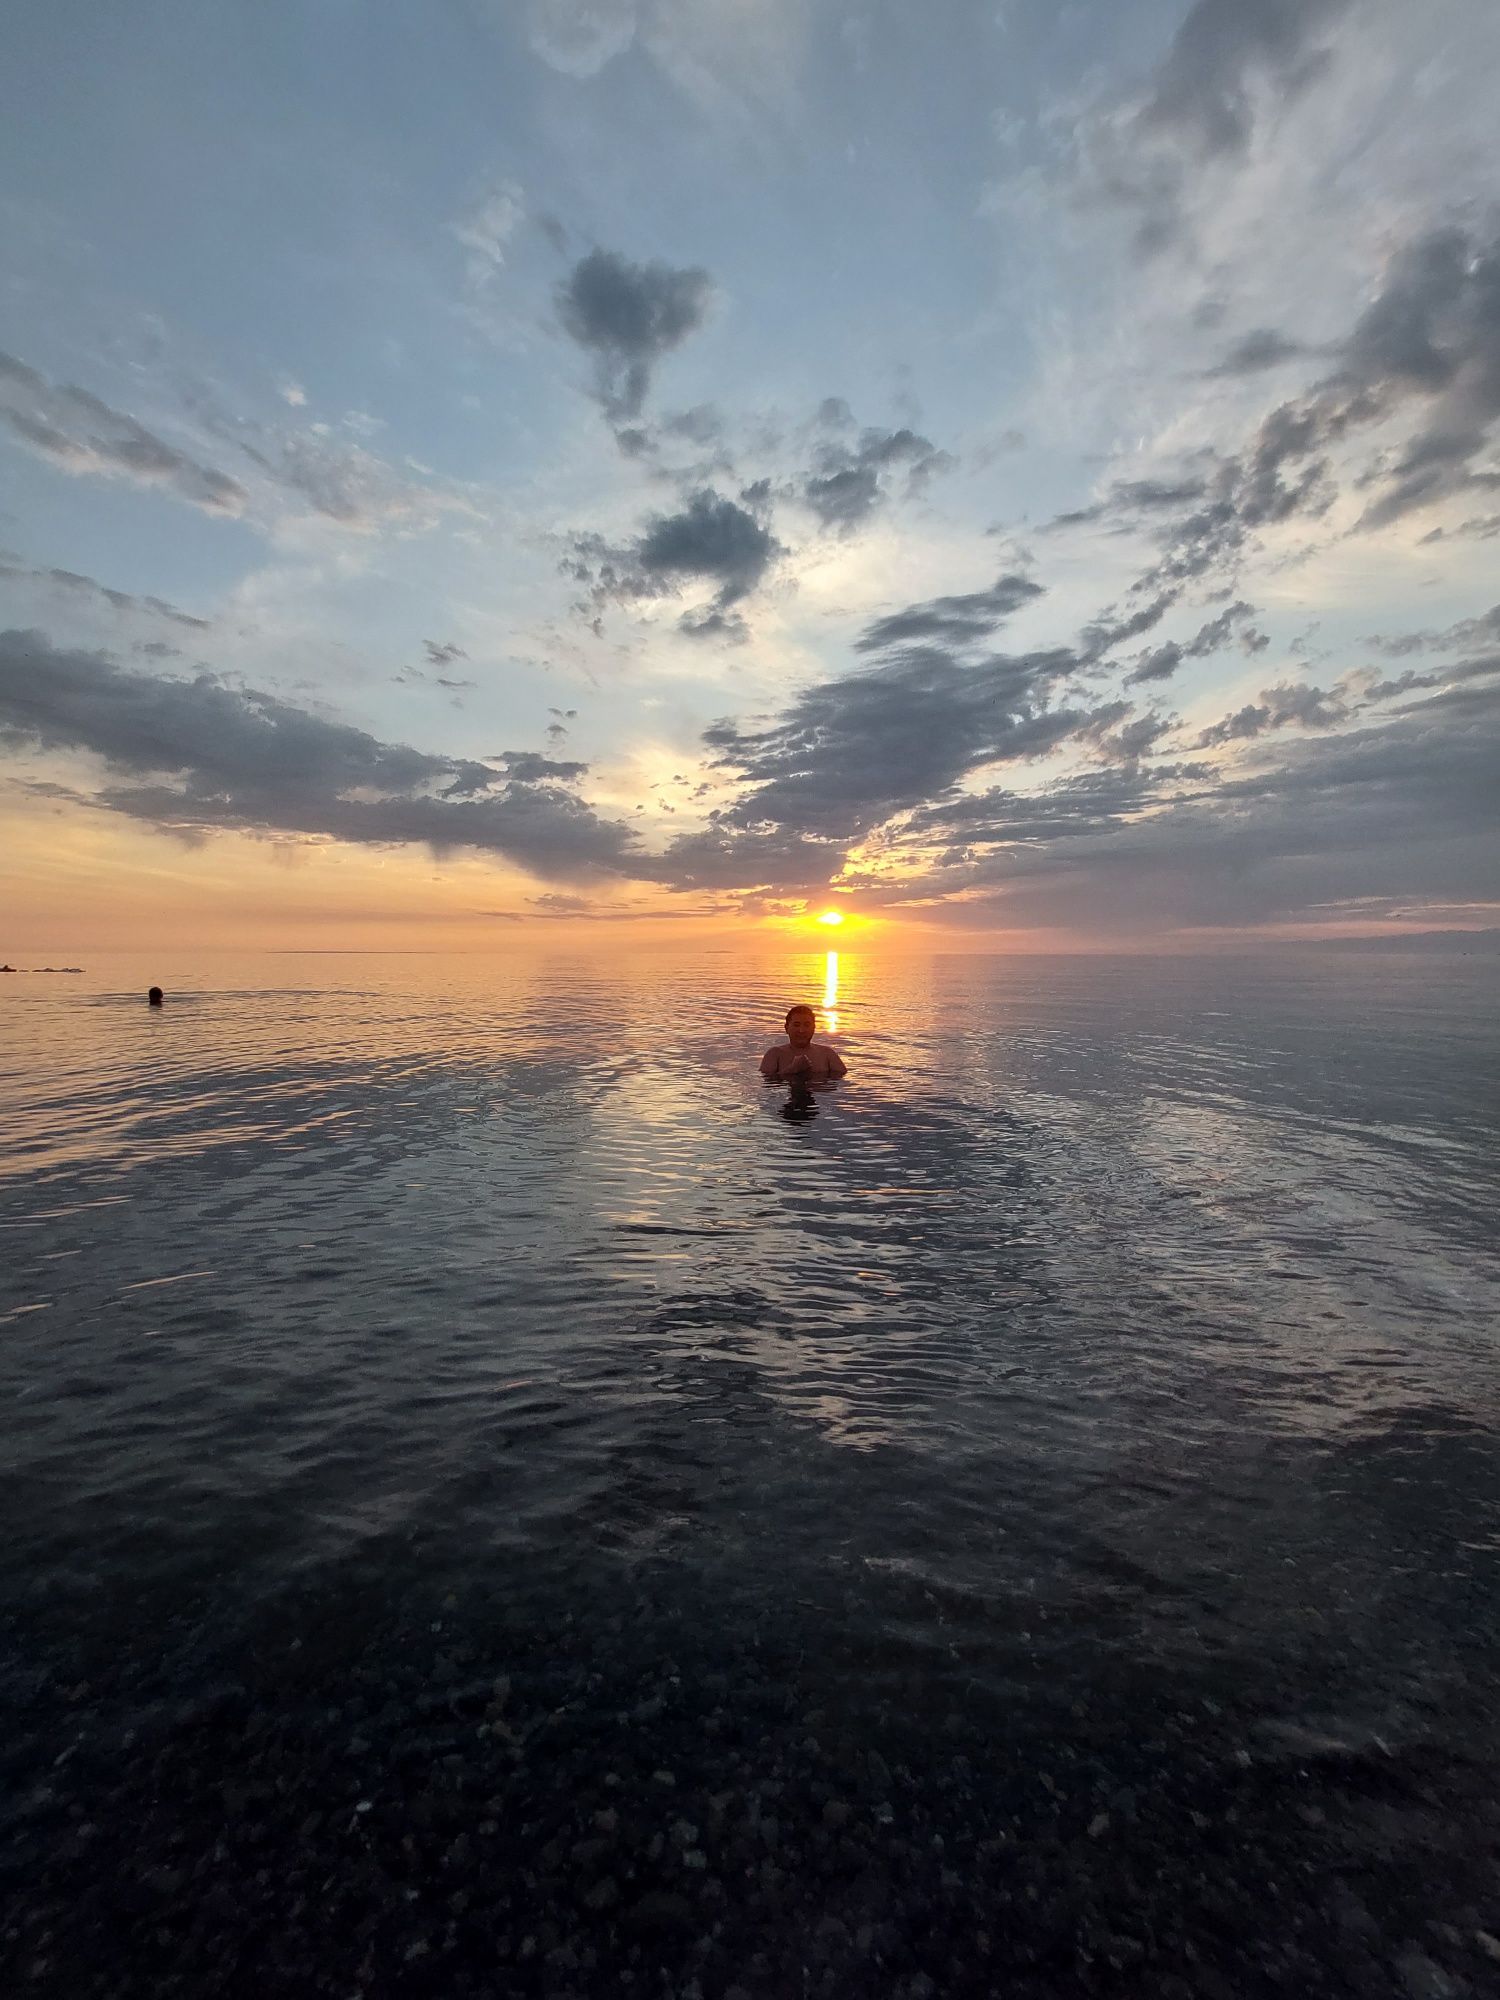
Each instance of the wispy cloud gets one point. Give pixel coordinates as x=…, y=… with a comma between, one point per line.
x=79, y=433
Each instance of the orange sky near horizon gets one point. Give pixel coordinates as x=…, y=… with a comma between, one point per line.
x=74, y=881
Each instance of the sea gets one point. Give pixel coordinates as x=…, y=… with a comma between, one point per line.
x=499, y=1499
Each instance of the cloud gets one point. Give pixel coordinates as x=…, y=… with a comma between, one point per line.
x=1425, y=350
x=1383, y=818
x=527, y=767
x=76, y=431
x=1128, y=500
x=1102, y=634
x=209, y=756
x=748, y=859
x=340, y=481
x=437, y=656
x=1431, y=335
x=1309, y=707
x=1230, y=72
x=848, y=481
x=1163, y=661
x=579, y=37
x=712, y=540
x=1111, y=735
x=72, y=584
x=1429, y=338
x=1258, y=350
x=1224, y=59
x=851, y=752
x=1074, y=808
x=1481, y=631
x=486, y=230
x=628, y=316
x=953, y=621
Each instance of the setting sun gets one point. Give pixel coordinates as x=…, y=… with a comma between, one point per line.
x=831, y=917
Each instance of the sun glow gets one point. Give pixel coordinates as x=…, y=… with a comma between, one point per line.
x=831, y=917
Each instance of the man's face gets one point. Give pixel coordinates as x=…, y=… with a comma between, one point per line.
x=800, y=1027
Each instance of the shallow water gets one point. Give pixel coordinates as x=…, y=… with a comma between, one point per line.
x=1049, y=1477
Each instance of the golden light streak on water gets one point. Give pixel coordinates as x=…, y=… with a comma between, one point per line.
x=831, y=993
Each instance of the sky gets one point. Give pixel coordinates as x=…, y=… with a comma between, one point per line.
x=1017, y=474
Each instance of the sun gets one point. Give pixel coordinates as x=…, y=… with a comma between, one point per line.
x=831, y=917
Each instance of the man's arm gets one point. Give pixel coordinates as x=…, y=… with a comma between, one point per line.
x=836, y=1065
x=770, y=1063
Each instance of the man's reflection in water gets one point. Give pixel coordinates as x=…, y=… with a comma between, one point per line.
x=800, y=1103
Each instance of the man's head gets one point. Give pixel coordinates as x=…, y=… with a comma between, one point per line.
x=801, y=1026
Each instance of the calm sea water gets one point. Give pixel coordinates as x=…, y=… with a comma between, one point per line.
x=499, y=1500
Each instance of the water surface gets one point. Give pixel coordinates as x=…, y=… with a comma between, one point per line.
x=500, y=1499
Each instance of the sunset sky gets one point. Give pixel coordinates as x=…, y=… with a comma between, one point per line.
x=1021, y=470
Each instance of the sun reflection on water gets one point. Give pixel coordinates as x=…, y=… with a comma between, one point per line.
x=831, y=993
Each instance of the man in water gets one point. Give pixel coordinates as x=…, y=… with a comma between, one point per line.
x=802, y=1057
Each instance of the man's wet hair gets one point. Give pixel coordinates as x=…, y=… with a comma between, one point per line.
x=803, y=1008
x=154, y=996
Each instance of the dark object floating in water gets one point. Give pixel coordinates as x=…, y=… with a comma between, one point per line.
x=154, y=997
x=7, y=968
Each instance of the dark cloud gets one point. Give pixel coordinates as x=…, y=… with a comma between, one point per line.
x=849, y=480
x=1163, y=661
x=712, y=540
x=1426, y=348
x=1264, y=348
x=218, y=756
x=1433, y=333
x=1232, y=66
x=1374, y=817
x=1481, y=631
x=701, y=425
x=1096, y=802
x=712, y=537
x=527, y=767
x=1478, y=527
x=1157, y=665
x=72, y=584
x=954, y=621
x=1129, y=499
x=1109, y=630
x=444, y=655
x=851, y=752
x=1115, y=734
x=78, y=432
x=1290, y=702
x=1429, y=340
x=748, y=859
x=628, y=316
x=1204, y=94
